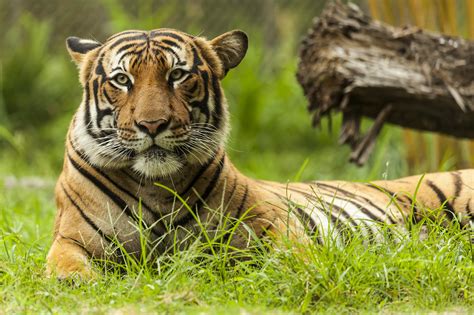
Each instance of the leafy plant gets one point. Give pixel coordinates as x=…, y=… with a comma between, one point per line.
x=35, y=85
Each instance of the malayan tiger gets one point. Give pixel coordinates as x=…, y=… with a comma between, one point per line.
x=153, y=111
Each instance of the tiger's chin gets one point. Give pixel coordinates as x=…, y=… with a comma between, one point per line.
x=155, y=163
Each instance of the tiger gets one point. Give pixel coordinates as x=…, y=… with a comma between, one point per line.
x=146, y=147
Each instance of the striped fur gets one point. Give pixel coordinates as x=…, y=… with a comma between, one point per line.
x=153, y=111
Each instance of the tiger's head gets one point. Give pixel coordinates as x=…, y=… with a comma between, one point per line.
x=152, y=99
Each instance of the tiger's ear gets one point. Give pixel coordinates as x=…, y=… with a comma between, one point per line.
x=230, y=48
x=78, y=48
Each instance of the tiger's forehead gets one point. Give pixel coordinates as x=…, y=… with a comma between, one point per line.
x=160, y=32
x=133, y=49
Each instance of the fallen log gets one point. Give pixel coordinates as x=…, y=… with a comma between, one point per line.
x=403, y=76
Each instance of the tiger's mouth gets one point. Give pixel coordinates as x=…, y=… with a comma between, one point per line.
x=156, y=161
x=155, y=152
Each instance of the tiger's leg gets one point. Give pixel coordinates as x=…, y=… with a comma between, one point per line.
x=66, y=259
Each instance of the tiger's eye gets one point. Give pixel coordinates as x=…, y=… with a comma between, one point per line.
x=122, y=79
x=177, y=74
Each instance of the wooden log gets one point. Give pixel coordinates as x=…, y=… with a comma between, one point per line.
x=353, y=64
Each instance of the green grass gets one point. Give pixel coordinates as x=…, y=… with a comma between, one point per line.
x=412, y=275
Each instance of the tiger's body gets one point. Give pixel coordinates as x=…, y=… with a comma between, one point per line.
x=153, y=112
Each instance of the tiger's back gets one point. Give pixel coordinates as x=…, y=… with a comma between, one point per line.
x=436, y=196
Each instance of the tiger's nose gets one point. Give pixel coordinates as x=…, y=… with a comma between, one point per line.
x=152, y=127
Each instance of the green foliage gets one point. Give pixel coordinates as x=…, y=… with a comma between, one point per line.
x=35, y=85
x=147, y=15
x=14, y=141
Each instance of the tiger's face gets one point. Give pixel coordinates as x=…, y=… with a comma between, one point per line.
x=152, y=100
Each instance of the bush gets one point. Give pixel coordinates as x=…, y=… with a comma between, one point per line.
x=35, y=84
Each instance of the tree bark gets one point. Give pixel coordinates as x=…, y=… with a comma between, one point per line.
x=404, y=76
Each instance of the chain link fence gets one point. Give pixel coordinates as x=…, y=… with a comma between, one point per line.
x=33, y=57
x=273, y=20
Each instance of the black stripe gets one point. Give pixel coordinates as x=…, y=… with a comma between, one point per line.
x=105, y=190
x=169, y=34
x=344, y=231
x=457, y=180
x=135, y=49
x=284, y=199
x=122, y=34
x=227, y=233
x=119, y=187
x=99, y=70
x=170, y=43
x=442, y=199
x=413, y=217
x=137, y=61
x=128, y=38
x=340, y=225
x=281, y=197
x=186, y=79
x=265, y=230
x=85, y=217
x=87, y=112
x=100, y=113
x=399, y=199
x=217, y=114
x=336, y=221
x=196, y=60
x=87, y=100
x=362, y=198
x=232, y=191
x=168, y=49
x=193, y=88
x=136, y=181
x=201, y=199
x=306, y=219
x=386, y=191
x=132, y=45
x=195, y=178
x=215, y=178
x=107, y=97
x=116, y=199
x=242, y=203
x=343, y=212
x=203, y=104
x=145, y=206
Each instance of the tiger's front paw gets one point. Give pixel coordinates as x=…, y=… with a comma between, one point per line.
x=67, y=260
